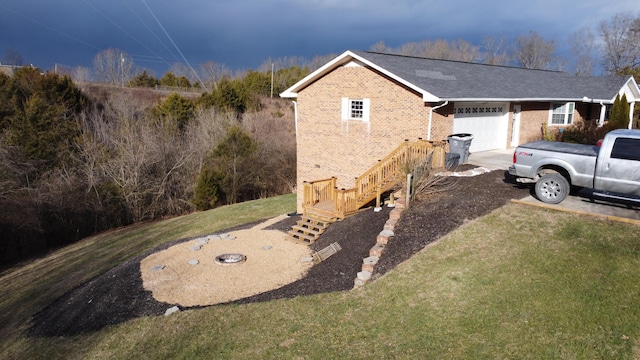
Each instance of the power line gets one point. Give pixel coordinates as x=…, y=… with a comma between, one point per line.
x=122, y=29
x=50, y=28
x=174, y=44
x=151, y=31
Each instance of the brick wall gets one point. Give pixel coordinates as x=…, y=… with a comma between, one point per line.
x=329, y=146
x=534, y=114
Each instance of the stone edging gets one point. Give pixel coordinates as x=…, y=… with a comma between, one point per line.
x=369, y=263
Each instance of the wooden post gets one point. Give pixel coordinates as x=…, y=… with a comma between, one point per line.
x=408, y=190
x=392, y=200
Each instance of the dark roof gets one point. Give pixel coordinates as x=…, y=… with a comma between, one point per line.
x=440, y=80
x=457, y=80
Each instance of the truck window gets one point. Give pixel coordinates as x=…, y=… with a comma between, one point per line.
x=626, y=148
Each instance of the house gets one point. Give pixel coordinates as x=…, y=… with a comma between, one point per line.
x=360, y=106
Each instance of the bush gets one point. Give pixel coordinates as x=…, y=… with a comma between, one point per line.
x=205, y=195
x=584, y=132
x=619, y=115
x=424, y=180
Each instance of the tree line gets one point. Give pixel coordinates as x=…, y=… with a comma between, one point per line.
x=615, y=45
x=76, y=160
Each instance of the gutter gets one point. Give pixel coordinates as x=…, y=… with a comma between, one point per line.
x=431, y=117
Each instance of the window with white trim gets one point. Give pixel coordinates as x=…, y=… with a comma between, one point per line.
x=562, y=113
x=355, y=109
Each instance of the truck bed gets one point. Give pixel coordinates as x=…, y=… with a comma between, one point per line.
x=567, y=148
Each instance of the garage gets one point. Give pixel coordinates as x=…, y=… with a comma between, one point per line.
x=487, y=122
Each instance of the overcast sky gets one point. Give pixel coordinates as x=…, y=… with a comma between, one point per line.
x=242, y=34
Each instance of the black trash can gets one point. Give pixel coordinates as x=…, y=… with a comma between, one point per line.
x=459, y=144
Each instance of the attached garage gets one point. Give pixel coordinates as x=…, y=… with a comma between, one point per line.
x=487, y=122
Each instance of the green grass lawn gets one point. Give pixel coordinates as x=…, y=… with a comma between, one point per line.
x=521, y=283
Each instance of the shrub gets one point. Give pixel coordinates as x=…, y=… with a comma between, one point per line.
x=424, y=180
x=584, y=132
x=619, y=115
x=205, y=195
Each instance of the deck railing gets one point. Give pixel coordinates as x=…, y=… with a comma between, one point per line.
x=379, y=178
x=318, y=191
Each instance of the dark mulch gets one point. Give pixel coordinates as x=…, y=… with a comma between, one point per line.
x=118, y=295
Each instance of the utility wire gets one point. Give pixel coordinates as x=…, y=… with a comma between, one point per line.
x=50, y=28
x=174, y=44
x=175, y=58
x=122, y=29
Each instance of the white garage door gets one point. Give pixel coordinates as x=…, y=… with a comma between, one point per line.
x=488, y=123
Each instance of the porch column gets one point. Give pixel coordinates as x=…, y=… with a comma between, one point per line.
x=631, y=106
x=603, y=109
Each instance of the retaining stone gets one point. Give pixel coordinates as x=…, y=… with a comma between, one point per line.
x=364, y=275
x=357, y=283
x=376, y=250
x=171, y=310
x=395, y=214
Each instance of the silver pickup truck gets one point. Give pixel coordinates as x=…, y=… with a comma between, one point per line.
x=612, y=169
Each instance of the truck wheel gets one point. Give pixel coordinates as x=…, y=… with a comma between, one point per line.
x=552, y=188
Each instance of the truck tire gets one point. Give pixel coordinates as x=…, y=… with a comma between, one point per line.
x=552, y=188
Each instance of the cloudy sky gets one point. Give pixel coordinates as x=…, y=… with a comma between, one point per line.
x=242, y=34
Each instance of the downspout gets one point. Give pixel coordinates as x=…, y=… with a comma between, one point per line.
x=431, y=117
x=295, y=113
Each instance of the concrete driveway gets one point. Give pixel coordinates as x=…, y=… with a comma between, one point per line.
x=585, y=203
x=581, y=203
x=494, y=159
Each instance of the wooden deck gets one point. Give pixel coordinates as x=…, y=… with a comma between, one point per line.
x=322, y=198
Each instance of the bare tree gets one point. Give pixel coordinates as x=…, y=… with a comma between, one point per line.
x=534, y=52
x=409, y=49
x=583, y=45
x=81, y=74
x=113, y=66
x=621, y=38
x=213, y=72
x=319, y=61
x=13, y=57
x=380, y=47
x=496, y=50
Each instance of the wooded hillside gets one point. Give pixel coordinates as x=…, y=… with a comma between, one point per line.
x=75, y=161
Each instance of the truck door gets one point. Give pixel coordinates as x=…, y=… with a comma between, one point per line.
x=620, y=172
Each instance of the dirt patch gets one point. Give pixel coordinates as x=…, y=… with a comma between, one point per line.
x=119, y=294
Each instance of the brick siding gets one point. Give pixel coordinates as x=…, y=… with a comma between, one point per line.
x=329, y=146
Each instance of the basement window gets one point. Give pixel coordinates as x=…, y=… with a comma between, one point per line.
x=561, y=113
x=355, y=109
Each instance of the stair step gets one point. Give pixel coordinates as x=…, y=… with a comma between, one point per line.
x=302, y=238
x=318, y=216
x=308, y=230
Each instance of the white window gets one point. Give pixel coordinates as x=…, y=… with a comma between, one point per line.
x=562, y=113
x=355, y=109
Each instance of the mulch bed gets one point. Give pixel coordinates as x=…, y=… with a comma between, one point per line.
x=118, y=295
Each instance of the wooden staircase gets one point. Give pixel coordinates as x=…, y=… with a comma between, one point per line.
x=309, y=228
x=323, y=203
